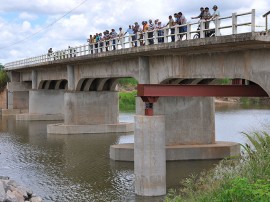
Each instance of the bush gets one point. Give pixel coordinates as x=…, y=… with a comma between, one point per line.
x=3, y=79
x=127, y=101
x=239, y=179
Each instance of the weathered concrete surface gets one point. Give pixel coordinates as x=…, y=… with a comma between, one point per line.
x=20, y=100
x=188, y=120
x=150, y=156
x=87, y=129
x=218, y=150
x=89, y=108
x=39, y=117
x=46, y=102
x=18, y=86
x=7, y=112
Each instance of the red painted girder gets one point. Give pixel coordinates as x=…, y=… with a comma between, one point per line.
x=159, y=90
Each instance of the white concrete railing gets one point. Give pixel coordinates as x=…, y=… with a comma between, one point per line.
x=163, y=35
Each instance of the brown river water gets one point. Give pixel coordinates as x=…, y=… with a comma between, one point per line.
x=77, y=168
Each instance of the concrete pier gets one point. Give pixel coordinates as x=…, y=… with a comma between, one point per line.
x=150, y=156
x=44, y=105
x=90, y=112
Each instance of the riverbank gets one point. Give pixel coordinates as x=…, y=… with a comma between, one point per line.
x=238, y=179
x=10, y=191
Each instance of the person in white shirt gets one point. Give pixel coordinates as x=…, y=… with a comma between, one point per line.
x=216, y=13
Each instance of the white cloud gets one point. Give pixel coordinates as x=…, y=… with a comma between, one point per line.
x=27, y=16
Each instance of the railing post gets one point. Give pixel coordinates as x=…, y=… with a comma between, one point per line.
x=253, y=20
x=176, y=33
x=166, y=30
x=188, y=31
x=202, y=33
x=156, y=36
x=146, y=38
x=234, y=23
x=130, y=41
x=217, y=23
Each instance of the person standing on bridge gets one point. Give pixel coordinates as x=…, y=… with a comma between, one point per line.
x=182, y=21
x=113, y=35
x=216, y=13
x=90, y=41
x=201, y=14
x=171, y=24
x=121, y=38
x=130, y=32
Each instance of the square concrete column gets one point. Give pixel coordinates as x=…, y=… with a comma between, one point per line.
x=150, y=156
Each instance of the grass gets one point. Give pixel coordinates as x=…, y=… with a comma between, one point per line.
x=127, y=101
x=246, y=178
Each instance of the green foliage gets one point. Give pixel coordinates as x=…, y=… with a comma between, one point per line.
x=3, y=79
x=224, y=81
x=244, y=179
x=127, y=101
x=128, y=81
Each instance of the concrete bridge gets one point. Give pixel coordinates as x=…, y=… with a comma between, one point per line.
x=80, y=87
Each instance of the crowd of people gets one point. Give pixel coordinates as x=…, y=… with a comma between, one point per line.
x=137, y=32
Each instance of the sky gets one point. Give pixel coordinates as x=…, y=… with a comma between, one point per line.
x=30, y=27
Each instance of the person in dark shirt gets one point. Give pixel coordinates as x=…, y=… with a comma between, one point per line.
x=201, y=14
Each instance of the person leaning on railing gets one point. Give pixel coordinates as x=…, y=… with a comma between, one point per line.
x=151, y=31
x=182, y=21
x=160, y=27
x=171, y=24
x=90, y=41
x=121, y=38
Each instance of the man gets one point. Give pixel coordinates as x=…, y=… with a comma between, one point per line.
x=206, y=17
x=90, y=41
x=113, y=35
x=216, y=13
x=201, y=14
x=135, y=31
x=121, y=38
x=130, y=32
x=183, y=21
x=151, y=32
x=171, y=26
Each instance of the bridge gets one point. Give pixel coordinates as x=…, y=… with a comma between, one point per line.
x=79, y=86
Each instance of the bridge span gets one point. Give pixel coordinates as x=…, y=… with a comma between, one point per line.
x=82, y=91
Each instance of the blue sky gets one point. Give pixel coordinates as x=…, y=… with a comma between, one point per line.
x=20, y=19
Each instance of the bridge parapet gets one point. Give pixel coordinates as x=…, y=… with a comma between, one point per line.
x=231, y=25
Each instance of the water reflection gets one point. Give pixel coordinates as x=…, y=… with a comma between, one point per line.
x=77, y=167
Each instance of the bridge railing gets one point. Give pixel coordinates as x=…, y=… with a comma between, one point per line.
x=202, y=29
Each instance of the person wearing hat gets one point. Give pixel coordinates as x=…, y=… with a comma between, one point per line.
x=216, y=13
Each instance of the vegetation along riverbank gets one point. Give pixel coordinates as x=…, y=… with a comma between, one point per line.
x=246, y=178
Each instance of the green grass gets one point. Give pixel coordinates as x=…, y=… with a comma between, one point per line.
x=128, y=81
x=246, y=178
x=127, y=101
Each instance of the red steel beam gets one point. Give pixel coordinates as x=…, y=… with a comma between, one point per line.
x=158, y=90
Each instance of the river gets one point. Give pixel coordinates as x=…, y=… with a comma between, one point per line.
x=77, y=168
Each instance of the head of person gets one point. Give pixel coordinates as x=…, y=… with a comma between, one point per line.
x=201, y=9
x=113, y=30
x=159, y=23
x=215, y=7
x=156, y=21
x=120, y=28
x=150, y=21
x=180, y=14
x=170, y=17
x=129, y=26
x=206, y=9
x=136, y=24
x=175, y=15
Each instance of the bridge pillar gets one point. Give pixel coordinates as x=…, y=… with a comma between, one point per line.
x=150, y=156
x=34, y=80
x=90, y=112
x=17, y=97
x=71, y=77
x=44, y=105
x=189, y=131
